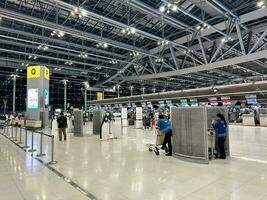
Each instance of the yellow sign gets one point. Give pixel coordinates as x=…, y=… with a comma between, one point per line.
x=33, y=71
x=99, y=95
x=46, y=73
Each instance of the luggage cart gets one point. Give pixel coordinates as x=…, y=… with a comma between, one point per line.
x=158, y=144
x=212, y=149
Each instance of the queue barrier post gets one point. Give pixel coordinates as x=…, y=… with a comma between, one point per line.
x=32, y=145
x=12, y=132
x=26, y=146
x=16, y=133
x=41, y=146
x=20, y=135
x=52, y=162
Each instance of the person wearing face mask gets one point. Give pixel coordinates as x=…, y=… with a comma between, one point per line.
x=220, y=127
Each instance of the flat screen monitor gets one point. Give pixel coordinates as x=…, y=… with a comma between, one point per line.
x=169, y=104
x=33, y=101
x=194, y=102
x=161, y=104
x=252, y=101
x=213, y=101
x=184, y=103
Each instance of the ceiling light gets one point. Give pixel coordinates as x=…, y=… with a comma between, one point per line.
x=163, y=42
x=128, y=31
x=57, y=33
x=174, y=8
x=103, y=45
x=42, y=47
x=162, y=9
x=83, y=55
x=69, y=63
x=134, y=54
x=113, y=62
x=159, y=60
x=261, y=4
x=98, y=67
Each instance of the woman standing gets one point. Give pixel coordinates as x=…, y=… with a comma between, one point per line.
x=220, y=127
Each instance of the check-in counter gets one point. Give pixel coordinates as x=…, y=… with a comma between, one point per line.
x=248, y=119
x=263, y=120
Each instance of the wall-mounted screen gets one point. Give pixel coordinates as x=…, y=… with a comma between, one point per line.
x=32, y=98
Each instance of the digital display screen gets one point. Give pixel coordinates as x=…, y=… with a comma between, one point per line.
x=169, y=104
x=252, y=101
x=33, y=102
x=213, y=101
x=161, y=104
x=46, y=97
x=184, y=103
x=194, y=102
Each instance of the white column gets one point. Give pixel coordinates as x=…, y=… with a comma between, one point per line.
x=14, y=93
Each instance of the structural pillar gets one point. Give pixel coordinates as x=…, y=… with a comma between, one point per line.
x=38, y=94
x=131, y=89
x=143, y=90
x=86, y=87
x=14, y=93
x=154, y=90
x=118, y=90
x=65, y=95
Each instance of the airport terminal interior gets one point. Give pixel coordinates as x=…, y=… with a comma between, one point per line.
x=133, y=99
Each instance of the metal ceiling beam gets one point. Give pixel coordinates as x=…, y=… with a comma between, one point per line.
x=216, y=65
x=254, y=15
x=70, y=31
x=109, y=21
x=18, y=65
x=57, y=52
x=63, y=43
x=49, y=58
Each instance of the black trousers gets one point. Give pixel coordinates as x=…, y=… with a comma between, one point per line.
x=221, y=143
x=167, y=140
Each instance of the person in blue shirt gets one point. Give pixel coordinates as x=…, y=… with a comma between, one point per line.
x=220, y=127
x=164, y=126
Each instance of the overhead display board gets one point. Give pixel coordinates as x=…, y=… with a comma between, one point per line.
x=184, y=103
x=226, y=101
x=32, y=98
x=194, y=102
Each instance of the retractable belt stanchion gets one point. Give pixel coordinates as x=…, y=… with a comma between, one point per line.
x=52, y=162
x=32, y=148
x=20, y=135
x=41, y=146
x=26, y=146
x=12, y=132
x=16, y=133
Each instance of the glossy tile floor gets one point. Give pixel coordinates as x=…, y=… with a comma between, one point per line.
x=124, y=169
x=24, y=178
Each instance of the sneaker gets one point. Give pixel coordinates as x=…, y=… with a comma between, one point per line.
x=168, y=154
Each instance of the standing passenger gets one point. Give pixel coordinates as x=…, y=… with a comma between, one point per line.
x=62, y=125
x=220, y=127
x=164, y=126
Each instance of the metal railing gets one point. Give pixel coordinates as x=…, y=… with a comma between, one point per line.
x=15, y=134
